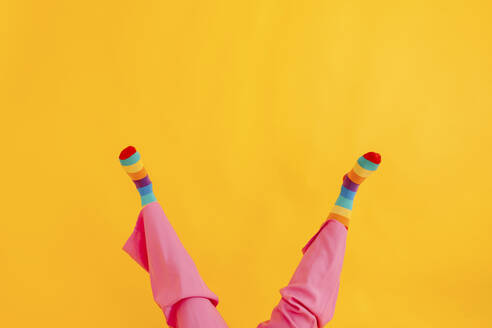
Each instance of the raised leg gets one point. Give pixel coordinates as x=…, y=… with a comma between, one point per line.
x=308, y=301
x=177, y=287
x=176, y=284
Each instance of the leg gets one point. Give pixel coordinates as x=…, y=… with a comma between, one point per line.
x=176, y=284
x=309, y=299
x=198, y=312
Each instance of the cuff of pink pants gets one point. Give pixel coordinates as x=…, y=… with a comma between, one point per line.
x=174, y=277
x=305, y=248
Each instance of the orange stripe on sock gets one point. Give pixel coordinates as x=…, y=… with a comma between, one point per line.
x=342, y=219
x=138, y=175
x=355, y=177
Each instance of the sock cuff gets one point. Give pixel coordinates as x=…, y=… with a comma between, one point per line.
x=148, y=198
x=341, y=211
x=340, y=218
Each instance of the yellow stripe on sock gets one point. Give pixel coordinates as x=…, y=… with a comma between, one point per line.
x=138, y=175
x=355, y=177
x=134, y=168
x=341, y=211
x=342, y=219
x=362, y=172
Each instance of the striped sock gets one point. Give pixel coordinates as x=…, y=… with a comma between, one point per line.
x=131, y=162
x=363, y=168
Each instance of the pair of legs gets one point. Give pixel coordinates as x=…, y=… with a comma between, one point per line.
x=308, y=301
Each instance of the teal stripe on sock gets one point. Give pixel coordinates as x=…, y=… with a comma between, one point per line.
x=130, y=160
x=344, y=202
x=148, y=198
x=366, y=164
x=145, y=190
x=346, y=193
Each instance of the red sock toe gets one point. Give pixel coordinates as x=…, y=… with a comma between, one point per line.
x=127, y=152
x=373, y=157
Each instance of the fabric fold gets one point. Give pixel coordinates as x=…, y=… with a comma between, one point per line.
x=308, y=301
x=174, y=277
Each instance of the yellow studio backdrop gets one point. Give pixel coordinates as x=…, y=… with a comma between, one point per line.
x=247, y=115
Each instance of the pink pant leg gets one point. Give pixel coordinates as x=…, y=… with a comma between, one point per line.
x=176, y=284
x=309, y=299
x=198, y=312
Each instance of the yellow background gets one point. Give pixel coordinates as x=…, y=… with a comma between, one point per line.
x=247, y=114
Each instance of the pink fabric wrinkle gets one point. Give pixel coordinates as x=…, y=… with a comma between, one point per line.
x=155, y=246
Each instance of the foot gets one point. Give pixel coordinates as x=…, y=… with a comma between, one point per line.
x=362, y=169
x=132, y=164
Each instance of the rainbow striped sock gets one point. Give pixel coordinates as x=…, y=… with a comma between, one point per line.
x=363, y=168
x=131, y=162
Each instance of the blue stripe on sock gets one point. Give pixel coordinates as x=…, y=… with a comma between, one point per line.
x=145, y=190
x=347, y=193
x=148, y=198
x=130, y=160
x=344, y=202
x=366, y=164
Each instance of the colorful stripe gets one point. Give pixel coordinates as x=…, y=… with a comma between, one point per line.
x=367, y=164
x=142, y=182
x=362, y=172
x=134, y=168
x=145, y=190
x=148, y=198
x=349, y=194
x=341, y=211
x=363, y=168
x=131, y=162
x=138, y=175
x=342, y=219
x=344, y=202
x=355, y=177
x=347, y=183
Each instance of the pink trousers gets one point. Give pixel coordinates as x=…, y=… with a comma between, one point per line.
x=308, y=301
